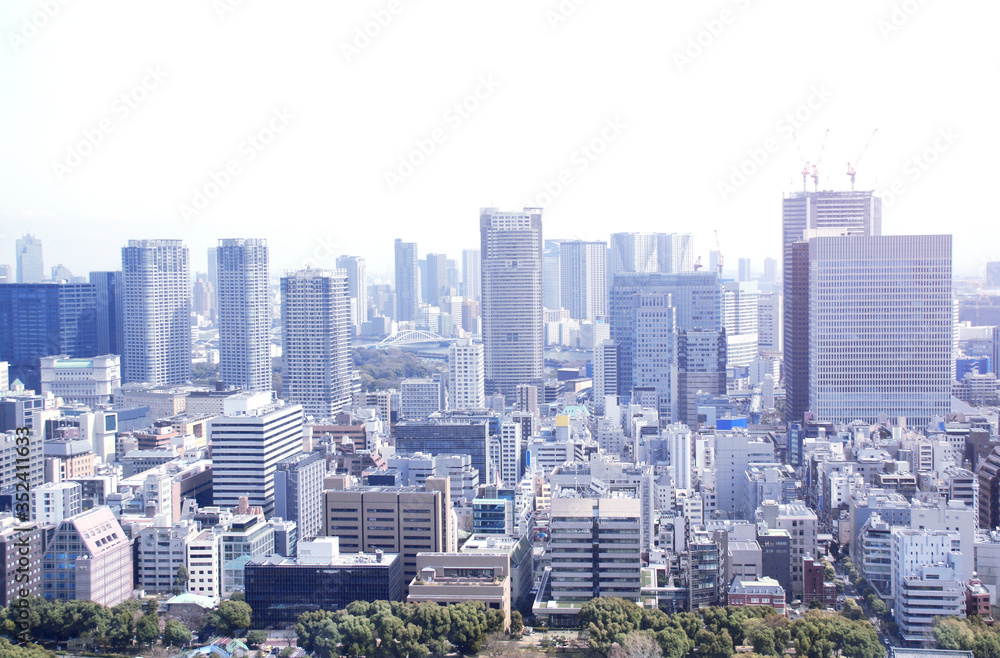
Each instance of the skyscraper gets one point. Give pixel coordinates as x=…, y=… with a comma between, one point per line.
x=357, y=288
x=315, y=341
x=667, y=253
x=437, y=278
x=740, y=318
x=582, y=275
x=880, y=327
x=110, y=321
x=466, y=370
x=45, y=319
x=743, y=273
x=513, y=329
x=654, y=341
x=244, y=314
x=856, y=213
x=551, y=275
x=407, y=281
x=29, y=259
x=157, y=312
x=471, y=267
x=248, y=441
x=605, y=373
x=696, y=299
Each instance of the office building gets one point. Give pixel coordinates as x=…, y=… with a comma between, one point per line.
x=315, y=341
x=419, y=397
x=666, y=253
x=770, y=270
x=595, y=548
x=471, y=274
x=605, y=373
x=248, y=442
x=927, y=580
x=44, y=319
x=321, y=577
x=414, y=469
x=583, y=279
x=156, y=311
x=435, y=284
x=21, y=559
x=109, y=287
x=743, y=273
x=88, y=557
x=161, y=550
x=734, y=452
x=405, y=520
x=298, y=492
x=854, y=213
x=87, y=381
x=54, y=501
x=801, y=524
x=551, y=275
x=446, y=436
x=865, y=361
x=769, y=323
x=654, y=344
x=29, y=259
x=356, y=270
x=466, y=375
x=513, y=331
x=244, y=537
x=204, y=563
x=493, y=516
x=740, y=318
x=450, y=578
x=407, y=281
x=244, y=302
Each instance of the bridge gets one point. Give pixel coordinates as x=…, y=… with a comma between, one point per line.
x=412, y=337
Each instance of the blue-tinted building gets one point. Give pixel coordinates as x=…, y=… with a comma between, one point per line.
x=446, y=437
x=110, y=328
x=45, y=319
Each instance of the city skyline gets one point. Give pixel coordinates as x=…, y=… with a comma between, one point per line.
x=661, y=162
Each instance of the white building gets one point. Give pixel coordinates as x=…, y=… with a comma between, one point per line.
x=315, y=341
x=467, y=377
x=244, y=314
x=162, y=550
x=156, y=312
x=248, y=441
x=504, y=461
x=740, y=319
x=204, y=554
x=583, y=279
x=421, y=396
x=679, y=449
x=802, y=526
x=734, y=452
x=769, y=316
x=357, y=288
x=605, y=373
x=54, y=501
x=926, y=579
x=91, y=381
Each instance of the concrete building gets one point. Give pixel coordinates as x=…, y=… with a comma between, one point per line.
x=29, y=259
x=54, y=501
x=357, y=288
x=407, y=281
x=87, y=381
x=243, y=537
x=405, y=520
x=769, y=323
x=763, y=592
x=204, y=563
x=21, y=557
x=926, y=579
x=595, y=548
x=88, y=557
x=162, y=549
x=298, y=492
x=244, y=301
x=506, y=457
x=248, y=442
x=583, y=279
x=734, y=452
x=519, y=555
x=802, y=525
x=471, y=274
x=605, y=373
x=315, y=341
x=667, y=253
x=740, y=319
x=513, y=335
x=13, y=463
x=422, y=396
x=280, y=589
x=466, y=375
x=413, y=470
x=156, y=311
x=446, y=578
x=447, y=435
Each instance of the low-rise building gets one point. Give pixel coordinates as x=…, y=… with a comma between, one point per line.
x=757, y=592
x=460, y=577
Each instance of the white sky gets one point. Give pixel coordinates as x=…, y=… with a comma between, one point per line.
x=319, y=189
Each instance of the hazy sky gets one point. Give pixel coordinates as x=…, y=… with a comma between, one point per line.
x=117, y=115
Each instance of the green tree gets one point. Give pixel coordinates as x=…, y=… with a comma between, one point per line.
x=760, y=637
x=181, y=580
x=516, y=622
x=852, y=610
x=175, y=633
x=714, y=645
x=147, y=630
x=816, y=604
x=232, y=616
x=609, y=620
x=953, y=634
x=469, y=628
x=876, y=605
x=256, y=638
x=829, y=574
x=9, y=650
x=637, y=644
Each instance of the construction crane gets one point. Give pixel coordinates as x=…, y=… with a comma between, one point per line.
x=851, y=167
x=697, y=264
x=719, y=251
x=819, y=158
